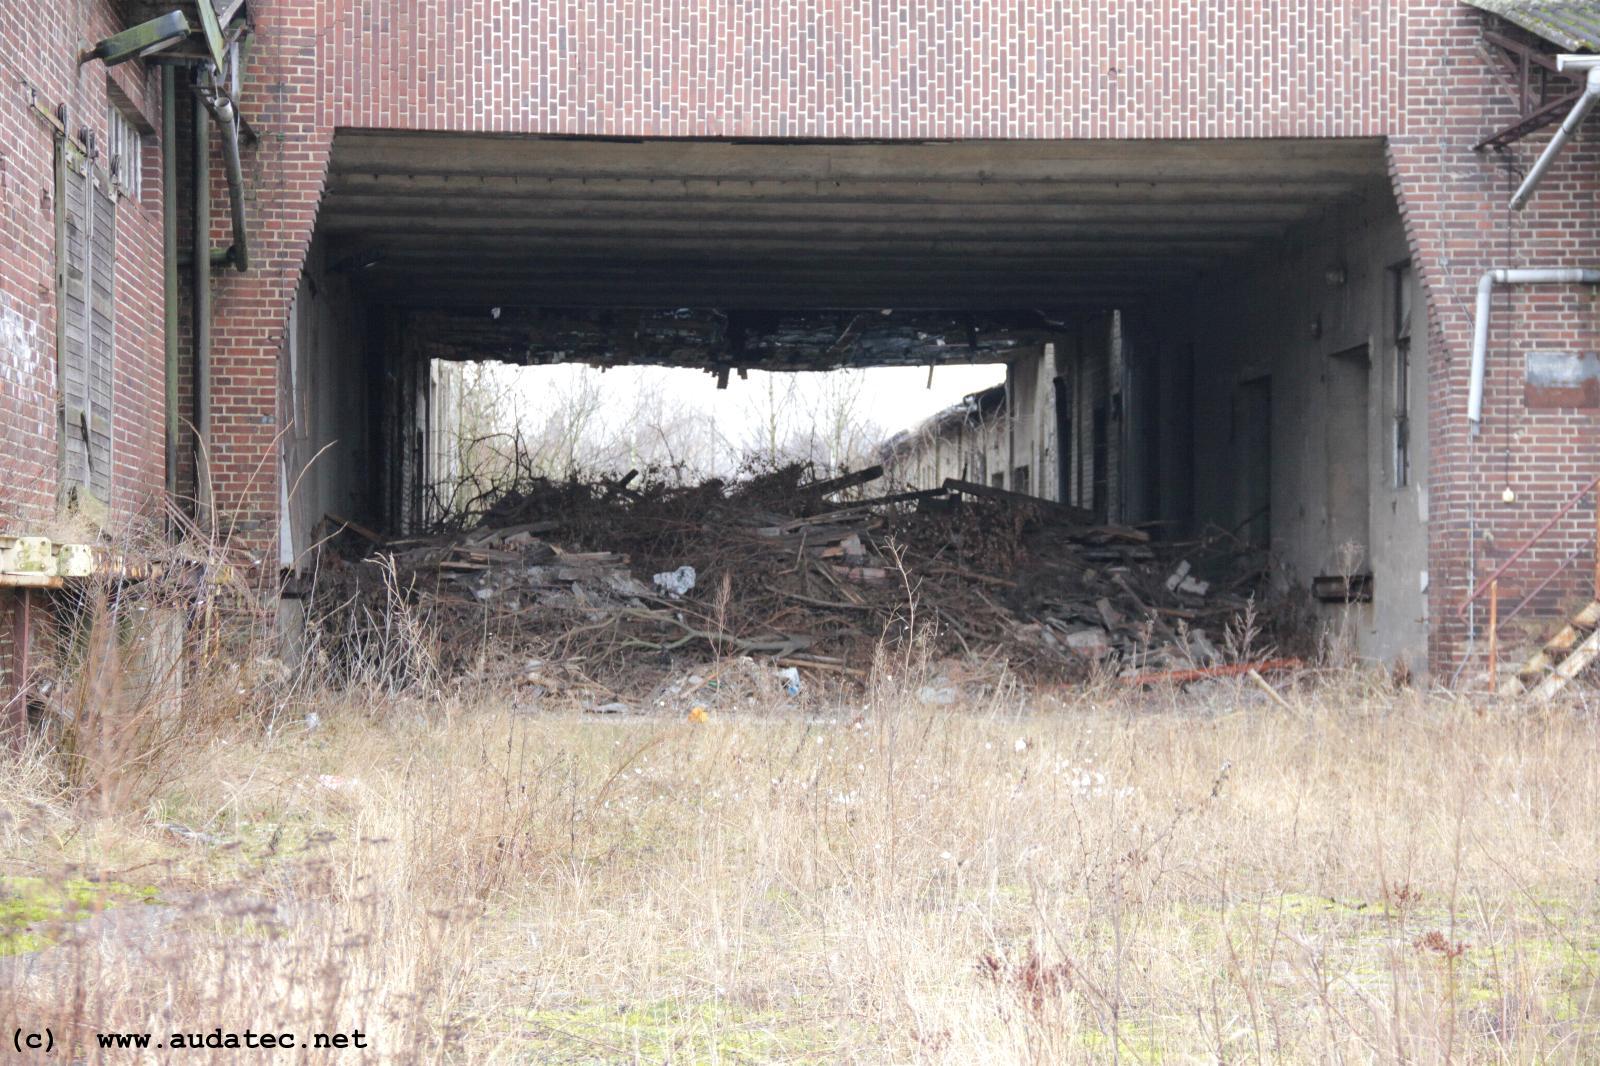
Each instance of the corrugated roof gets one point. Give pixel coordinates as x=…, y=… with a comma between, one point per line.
x=1572, y=24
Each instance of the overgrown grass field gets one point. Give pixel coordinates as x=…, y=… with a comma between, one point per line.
x=1360, y=874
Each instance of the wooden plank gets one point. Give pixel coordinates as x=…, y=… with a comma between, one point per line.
x=842, y=482
x=1570, y=667
x=988, y=492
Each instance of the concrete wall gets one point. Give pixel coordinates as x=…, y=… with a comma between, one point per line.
x=966, y=445
x=449, y=399
x=1264, y=404
x=1310, y=334
x=1019, y=446
x=328, y=467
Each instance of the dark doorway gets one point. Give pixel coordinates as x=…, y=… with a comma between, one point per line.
x=1102, y=460
x=1066, y=452
x=1349, y=534
x=1253, y=438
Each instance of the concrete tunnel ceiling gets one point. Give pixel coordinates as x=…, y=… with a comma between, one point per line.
x=468, y=219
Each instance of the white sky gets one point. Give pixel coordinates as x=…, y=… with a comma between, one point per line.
x=894, y=398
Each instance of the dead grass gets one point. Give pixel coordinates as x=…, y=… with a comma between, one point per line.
x=1367, y=875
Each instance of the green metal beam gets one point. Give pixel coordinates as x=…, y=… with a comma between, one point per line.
x=164, y=31
x=213, y=31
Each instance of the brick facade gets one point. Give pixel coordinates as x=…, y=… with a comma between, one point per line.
x=1406, y=70
x=38, y=51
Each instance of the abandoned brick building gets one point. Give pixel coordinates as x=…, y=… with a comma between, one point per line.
x=1232, y=254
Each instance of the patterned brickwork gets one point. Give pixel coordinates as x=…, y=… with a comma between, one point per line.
x=1407, y=70
x=863, y=69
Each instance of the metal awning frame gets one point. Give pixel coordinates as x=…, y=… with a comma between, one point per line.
x=1545, y=93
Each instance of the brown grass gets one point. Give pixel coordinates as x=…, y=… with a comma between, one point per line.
x=1374, y=876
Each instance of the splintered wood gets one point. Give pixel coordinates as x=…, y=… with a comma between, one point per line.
x=616, y=581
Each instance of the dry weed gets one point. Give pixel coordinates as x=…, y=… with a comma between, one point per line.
x=1086, y=877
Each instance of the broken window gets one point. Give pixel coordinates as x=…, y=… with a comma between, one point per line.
x=1401, y=330
x=86, y=251
x=124, y=152
x=1019, y=480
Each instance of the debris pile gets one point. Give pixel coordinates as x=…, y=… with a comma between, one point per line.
x=615, y=581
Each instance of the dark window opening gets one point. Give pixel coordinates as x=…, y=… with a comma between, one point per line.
x=1253, y=438
x=1102, y=459
x=1066, y=449
x=1401, y=435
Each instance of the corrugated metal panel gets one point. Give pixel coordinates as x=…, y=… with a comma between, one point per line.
x=1572, y=24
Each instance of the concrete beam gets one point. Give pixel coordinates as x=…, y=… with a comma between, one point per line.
x=1041, y=232
x=488, y=247
x=943, y=296
x=345, y=207
x=397, y=152
x=1255, y=187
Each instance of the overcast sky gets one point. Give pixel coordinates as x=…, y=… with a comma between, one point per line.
x=894, y=398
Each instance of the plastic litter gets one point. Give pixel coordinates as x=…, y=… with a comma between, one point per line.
x=675, y=582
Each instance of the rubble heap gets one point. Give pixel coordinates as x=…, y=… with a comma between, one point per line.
x=620, y=580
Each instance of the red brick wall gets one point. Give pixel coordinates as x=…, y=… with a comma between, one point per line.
x=1455, y=205
x=39, y=43
x=1410, y=71
x=38, y=52
x=863, y=69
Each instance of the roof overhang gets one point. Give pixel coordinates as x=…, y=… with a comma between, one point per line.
x=1572, y=24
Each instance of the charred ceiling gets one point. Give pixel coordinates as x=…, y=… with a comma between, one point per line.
x=723, y=340
x=474, y=221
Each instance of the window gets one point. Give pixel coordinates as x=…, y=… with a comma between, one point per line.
x=1400, y=328
x=1100, y=460
x=124, y=152
x=85, y=276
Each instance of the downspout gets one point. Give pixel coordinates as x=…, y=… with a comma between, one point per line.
x=1569, y=126
x=1480, y=321
x=227, y=116
x=169, y=244
x=202, y=300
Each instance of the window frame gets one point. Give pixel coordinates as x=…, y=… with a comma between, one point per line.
x=125, y=150
x=1401, y=312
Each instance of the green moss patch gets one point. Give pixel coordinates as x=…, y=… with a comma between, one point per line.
x=679, y=1031
x=33, y=910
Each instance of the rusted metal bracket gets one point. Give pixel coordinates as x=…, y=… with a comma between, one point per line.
x=1544, y=92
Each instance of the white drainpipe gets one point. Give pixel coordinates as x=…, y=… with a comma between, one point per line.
x=1569, y=126
x=1480, y=322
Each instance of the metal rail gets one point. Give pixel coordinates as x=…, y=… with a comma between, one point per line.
x=1491, y=584
x=1543, y=530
